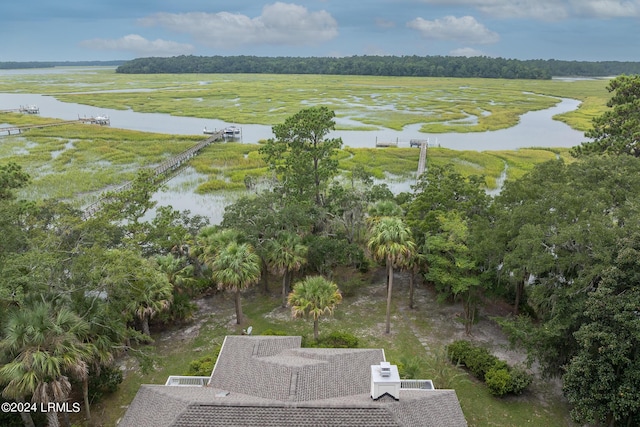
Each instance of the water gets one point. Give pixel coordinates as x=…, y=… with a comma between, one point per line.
x=535, y=129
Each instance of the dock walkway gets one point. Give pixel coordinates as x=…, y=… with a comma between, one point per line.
x=164, y=167
x=103, y=121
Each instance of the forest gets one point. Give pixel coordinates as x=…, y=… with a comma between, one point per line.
x=407, y=66
x=560, y=245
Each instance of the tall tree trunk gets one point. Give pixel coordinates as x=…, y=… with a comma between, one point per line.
x=52, y=419
x=519, y=292
x=316, y=335
x=284, y=288
x=26, y=416
x=389, y=289
x=238, y=308
x=411, y=280
x=264, y=276
x=388, y=266
x=145, y=325
x=85, y=395
x=469, y=312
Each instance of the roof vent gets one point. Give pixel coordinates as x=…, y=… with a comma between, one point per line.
x=385, y=369
x=385, y=379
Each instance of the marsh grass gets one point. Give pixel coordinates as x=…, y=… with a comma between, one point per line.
x=71, y=161
x=443, y=104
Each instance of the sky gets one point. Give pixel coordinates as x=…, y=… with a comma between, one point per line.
x=79, y=30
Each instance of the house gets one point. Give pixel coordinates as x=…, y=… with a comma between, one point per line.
x=271, y=381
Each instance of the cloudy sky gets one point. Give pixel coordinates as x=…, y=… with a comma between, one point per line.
x=593, y=30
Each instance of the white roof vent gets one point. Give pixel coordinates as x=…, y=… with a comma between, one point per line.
x=385, y=379
x=385, y=369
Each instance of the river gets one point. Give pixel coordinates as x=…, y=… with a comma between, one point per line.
x=535, y=129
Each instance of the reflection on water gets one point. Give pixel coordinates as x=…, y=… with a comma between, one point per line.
x=179, y=193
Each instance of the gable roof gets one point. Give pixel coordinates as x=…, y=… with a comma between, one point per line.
x=270, y=381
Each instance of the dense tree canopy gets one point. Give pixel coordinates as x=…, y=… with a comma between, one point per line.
x=416, y=66
x=617, y=131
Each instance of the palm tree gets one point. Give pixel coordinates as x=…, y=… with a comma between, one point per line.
x=313, y=297
x=286, y=254
x=43, y=348
x=149, y=293
x=210, y=240
x=390, y=242
x=236, y=267
x=413, y=264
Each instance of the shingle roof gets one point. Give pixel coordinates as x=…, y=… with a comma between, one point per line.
x=270, y=367
x=271, y=381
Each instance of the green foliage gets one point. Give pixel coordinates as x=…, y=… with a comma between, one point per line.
x=410, y=367
x=603, y=376
x=500, y=378
x=214, y=185
x=203, y=366
x=339, y=339
x=275, y=332
x=617, y=131
x=301, y=156
x=325, y=254
x=314, y=297
x=498, y=381
x=352, y=285
x=105, y=382
x=180, y=310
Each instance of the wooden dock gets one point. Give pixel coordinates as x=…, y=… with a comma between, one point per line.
x=382, y=144
x=99, y=120
x=422, y=160
x=163, y=168
x=23, y=109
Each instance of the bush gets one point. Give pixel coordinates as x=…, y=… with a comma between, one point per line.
x=106, y=382
x=476, y=359
x=499, y=377
x=275, y=332
x=520, y=380
x=336, y=339
x=350, y=287
x=498, y=381
x=181, y=309
x=410, y=367
x=204, y=366
x=339, y=339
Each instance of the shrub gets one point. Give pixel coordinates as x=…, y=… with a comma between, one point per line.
x=499, y=377
x=350, y=287
x=498, y=381
x=336, y=339
x=340, y=339
x=106, y=382
x=477, y=360
x=275, y=332
x=520, y=380
x=204, y=365
x=181, y=309
x=410, y=367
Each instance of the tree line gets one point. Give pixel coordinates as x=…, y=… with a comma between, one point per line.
x=16, y=65
x=560, y=244
x=412, y=66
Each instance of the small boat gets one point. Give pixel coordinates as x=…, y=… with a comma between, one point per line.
x=30, y=109
x=231, y=132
